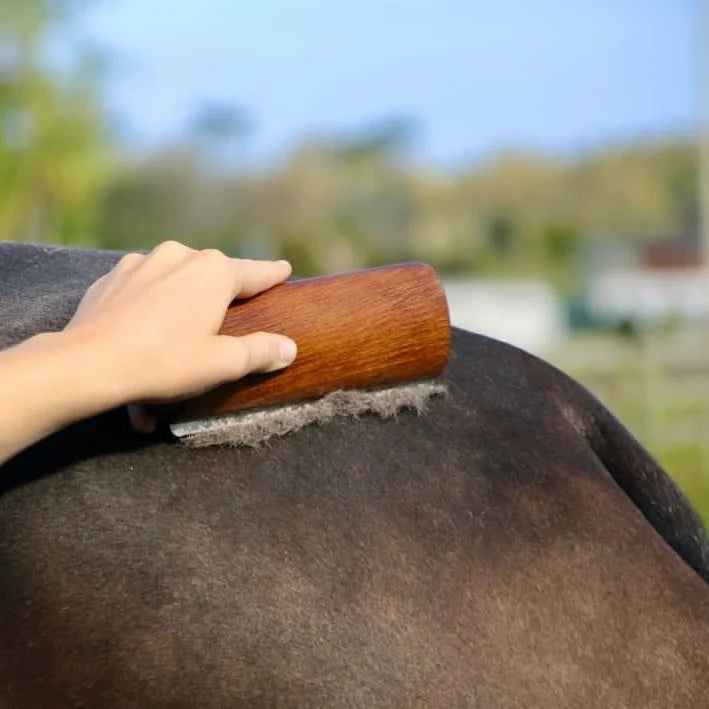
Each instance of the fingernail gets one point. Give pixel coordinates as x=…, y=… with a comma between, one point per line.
x=284, y=262
x=287, y=350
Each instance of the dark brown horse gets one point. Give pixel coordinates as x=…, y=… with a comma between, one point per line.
x=514, y=547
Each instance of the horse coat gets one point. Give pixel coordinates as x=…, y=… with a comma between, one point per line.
x=513, y=547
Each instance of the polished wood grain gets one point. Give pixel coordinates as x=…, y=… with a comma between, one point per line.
x=363, y=329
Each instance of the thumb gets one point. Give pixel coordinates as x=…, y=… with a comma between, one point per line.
x=236, y=357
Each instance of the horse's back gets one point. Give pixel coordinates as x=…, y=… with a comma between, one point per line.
x=511, y=547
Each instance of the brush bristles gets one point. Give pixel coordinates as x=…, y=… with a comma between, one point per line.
x=255, y=427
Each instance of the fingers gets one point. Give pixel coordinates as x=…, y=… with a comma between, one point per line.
x=178, y=295
x=125, y=265
x=245, y=277
x=165, y=258
x=168, y=256
x=128, y=262
x=234, y=357
x=124, y=268
x=231, y=359
x=252, y=277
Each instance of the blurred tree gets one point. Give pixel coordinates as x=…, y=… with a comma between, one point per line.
x=681, y=171
x=560, y=242
x=53, y=156
x=501, y=232
x=218, y=130
x=389, y=137
x=343, y=202
x=328, y=208
x=149, y=203
x=220, y=122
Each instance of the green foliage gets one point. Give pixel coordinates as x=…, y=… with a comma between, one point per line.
x=685, y=463
x=561, y=242
x=347, y=201
x=52, y=155
x=147, y=204
x=519, y=215
x=656, y=384
x=501, y=235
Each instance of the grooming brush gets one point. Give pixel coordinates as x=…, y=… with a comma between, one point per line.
x=369, y=341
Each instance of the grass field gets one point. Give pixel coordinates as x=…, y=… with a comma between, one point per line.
x=657, y=384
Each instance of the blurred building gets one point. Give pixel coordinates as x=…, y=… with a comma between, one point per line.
x=649, y=296
x=664, y=281
x=526, y=313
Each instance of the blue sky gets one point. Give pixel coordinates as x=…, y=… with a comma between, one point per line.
x=479, y=77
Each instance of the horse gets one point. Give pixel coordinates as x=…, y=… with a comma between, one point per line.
x=513, y=546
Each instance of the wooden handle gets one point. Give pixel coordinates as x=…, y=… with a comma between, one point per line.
x=364, y=329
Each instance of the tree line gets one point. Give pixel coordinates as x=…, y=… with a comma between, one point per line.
x=332, y=204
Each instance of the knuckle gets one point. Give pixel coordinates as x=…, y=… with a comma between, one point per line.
x=264, y=350
x=97, y=285
x=213, y=255
x=170, y=246
x=128, y=260
x=274, y=350
x=244, y=356
x=213, y=259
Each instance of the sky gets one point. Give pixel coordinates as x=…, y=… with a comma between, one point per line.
x=477, y=77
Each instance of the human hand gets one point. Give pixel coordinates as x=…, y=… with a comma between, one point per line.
x=152, y=323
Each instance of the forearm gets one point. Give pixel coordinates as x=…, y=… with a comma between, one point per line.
x=46, y=383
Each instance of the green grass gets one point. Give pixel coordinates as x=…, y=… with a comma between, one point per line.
x=659, y=388
x=684, y=464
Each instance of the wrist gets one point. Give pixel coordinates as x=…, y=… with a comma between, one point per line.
x=81, y=369
x=48, y=382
